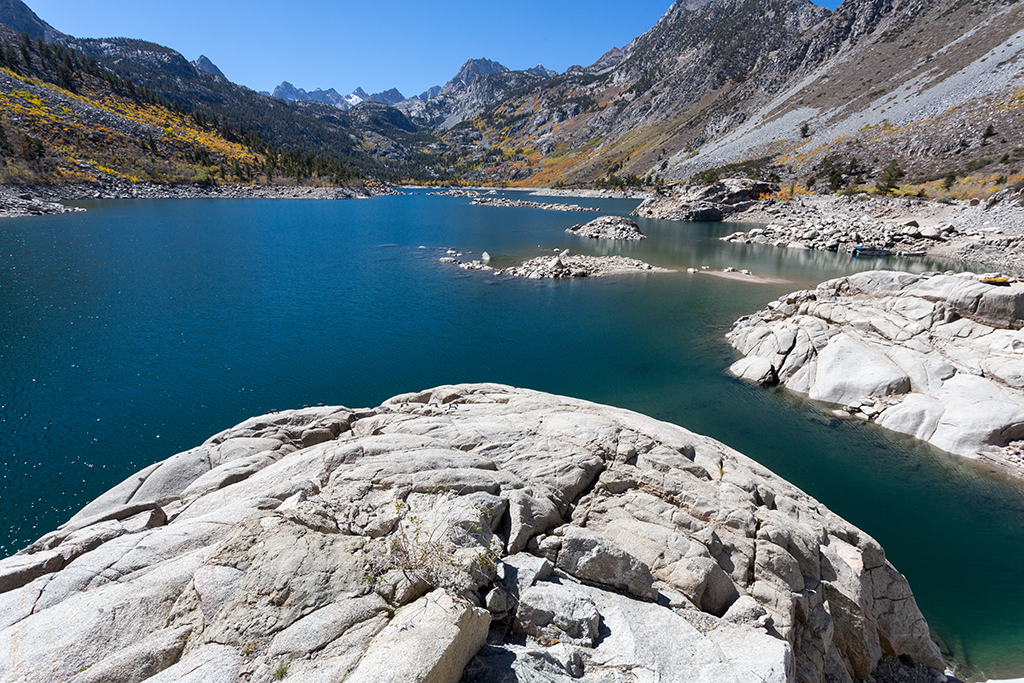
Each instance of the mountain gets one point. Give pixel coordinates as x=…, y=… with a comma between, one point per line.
x=387, y=97
x=478, y=84
x=17, y=16
x=287, y=91
x=773, y=88
x=302, y=139
x=786, y=84
x=541, y=71
x=69, y=120
x=429, y=93
x=204, y=64
x=469, y=71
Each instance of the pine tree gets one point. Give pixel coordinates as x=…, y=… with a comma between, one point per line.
x=890, y=178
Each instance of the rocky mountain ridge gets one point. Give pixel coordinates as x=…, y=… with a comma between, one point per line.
x=288, y=92
x=775, y=89
x=479, y=84
x=17, y=16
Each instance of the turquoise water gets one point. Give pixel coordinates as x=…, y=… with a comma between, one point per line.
x=139, y=328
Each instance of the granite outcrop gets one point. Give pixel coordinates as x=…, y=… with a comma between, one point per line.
x=472, y=532
x=564, y=265
x=524, y=203
x=705, y=203
x=938, y=357
x=608, y=228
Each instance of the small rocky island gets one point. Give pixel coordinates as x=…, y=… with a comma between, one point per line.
x=608, y=228
x=940, y=357
x=457, y=192
x=523, y=203
x=563, y=266
x=474, y=533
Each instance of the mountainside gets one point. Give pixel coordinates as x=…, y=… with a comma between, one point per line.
x=479, y=84
x=15, y=15
x=306, y=127
x=777, y=89
x=141, y=111
x=715, y=83
x=63, y=118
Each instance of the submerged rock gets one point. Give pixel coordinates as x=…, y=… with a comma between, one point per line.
x=940, y=358
x=384, y=544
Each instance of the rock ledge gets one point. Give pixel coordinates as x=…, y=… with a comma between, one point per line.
x=940, y=358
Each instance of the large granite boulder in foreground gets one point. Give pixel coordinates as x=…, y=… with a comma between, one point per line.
x=474, y=532
x=940, y=358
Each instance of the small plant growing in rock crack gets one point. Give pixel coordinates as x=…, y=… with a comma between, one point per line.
x=280, y=672
x=427, y=551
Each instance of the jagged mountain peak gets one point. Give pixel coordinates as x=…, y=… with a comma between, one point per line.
x=392, y=96
x=287, y=91
x=473, y=68
x=429, y=93
x=16, y=15
x=204, y=64
x=540, y=70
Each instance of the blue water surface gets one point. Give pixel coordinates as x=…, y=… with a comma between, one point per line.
x=139, y=328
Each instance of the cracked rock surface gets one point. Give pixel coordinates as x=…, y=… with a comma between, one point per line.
x=940, y=358
x=472, y=532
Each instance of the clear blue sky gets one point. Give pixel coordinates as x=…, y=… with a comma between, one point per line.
x=376, y=44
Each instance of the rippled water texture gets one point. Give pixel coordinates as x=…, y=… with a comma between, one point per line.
x=138, y=329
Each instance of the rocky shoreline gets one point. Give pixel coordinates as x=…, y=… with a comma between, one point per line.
x=985, y=232
x=473, y=533
x=501, y=201
x=938, y=357
x=43, y=197
x=24, y=203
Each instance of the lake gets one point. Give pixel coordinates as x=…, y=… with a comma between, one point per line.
x=140, y=328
